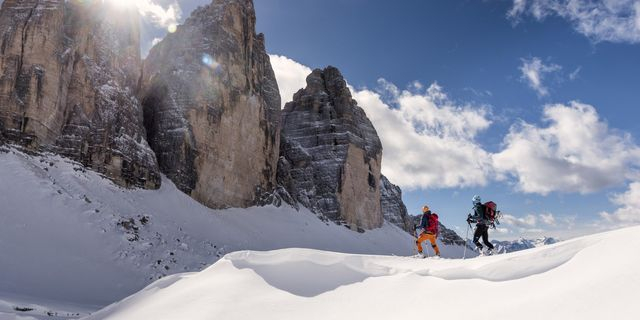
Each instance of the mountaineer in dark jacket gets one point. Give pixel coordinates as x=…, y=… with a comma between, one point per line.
x=482, y=225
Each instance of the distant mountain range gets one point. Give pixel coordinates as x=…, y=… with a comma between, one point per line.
x=523, y=244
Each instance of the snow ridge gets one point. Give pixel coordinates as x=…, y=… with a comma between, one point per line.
x=560, y=281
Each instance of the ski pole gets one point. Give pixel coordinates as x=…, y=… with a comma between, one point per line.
x=415, y=236
x=426, y=248
x=466, y=242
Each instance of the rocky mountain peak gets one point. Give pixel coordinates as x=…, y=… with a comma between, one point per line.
x=212, y=106
x=331, y=82
x=330, y=153
x=327, y=98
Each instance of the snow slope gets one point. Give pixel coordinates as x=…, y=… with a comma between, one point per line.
x=70, y=237
x=593, y=277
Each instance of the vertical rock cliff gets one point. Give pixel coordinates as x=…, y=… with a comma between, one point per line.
x=69, y=74
x=330, y=154
x=32, y=35
x=393, y=209
x=212, y=106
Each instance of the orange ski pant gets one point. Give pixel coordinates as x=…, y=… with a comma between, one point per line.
x=427, y=236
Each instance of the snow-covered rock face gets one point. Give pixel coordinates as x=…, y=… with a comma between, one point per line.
x=212, y=106
x=330, y=153
x=69, y=71
x=393, y=209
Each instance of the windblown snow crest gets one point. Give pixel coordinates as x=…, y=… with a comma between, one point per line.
x=310, y=284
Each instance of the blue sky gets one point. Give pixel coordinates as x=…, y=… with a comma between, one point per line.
x=530, y=103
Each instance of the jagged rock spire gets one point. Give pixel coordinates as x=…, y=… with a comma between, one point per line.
x=330, y=154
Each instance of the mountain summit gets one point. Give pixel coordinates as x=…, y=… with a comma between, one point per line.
x=330, y=154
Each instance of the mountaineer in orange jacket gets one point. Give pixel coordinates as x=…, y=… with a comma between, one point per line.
x=429, y=226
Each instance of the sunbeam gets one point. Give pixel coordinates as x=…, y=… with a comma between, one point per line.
x=155, y=13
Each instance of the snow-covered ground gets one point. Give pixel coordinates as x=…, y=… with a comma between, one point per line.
x=594, y=277
x=72, y=242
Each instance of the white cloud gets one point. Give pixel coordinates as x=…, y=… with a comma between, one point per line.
x=547, y=224
x=502, y=230
x=599, y=20
x=629, y=202
x=428, y=140
x=519, y=7
x=528, y=221
x=574, y=75
x=637, y=8
x=154, y=12
x=159, y=15
x=155, y=41
x=576, y=152
x=291, y=76
x=479, y=94
x=534, y=72
x=548, y=219
x=431, y=111
x=542, y=224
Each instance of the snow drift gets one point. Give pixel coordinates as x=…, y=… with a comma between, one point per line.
x=593, y=277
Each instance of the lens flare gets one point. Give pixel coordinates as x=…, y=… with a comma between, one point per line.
x=209, y=61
